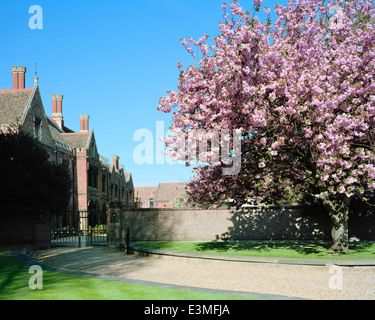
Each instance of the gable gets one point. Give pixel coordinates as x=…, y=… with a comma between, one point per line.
x=145, y=193
x=168, y=191
x=92, y=149
x=13, y=105
x=129, y=181
x=34, y=114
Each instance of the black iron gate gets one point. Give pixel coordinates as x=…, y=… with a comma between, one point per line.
x=79, y=228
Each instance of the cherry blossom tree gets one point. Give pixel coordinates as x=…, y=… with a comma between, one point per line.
x=302, y=92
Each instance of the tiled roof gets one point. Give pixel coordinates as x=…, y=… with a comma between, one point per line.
x=143, y=193
x=56, y=133
x=13, y=104
x=76, y=140
x=168, y=191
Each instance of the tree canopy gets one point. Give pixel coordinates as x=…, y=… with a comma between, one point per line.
x=29, y=181
x=302, y=92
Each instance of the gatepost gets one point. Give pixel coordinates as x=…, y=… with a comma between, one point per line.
x=42, y=230
x=114, y=219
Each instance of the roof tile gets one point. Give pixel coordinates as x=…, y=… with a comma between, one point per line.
x=13, y=104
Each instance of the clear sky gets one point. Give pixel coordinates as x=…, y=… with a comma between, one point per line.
x=110, y=59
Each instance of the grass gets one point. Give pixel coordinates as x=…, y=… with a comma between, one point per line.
x=14, y=285
x=277, y=249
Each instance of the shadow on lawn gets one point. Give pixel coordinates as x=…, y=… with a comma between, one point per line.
x=308, y=226
x=15, y=277
x=14, y=273
x=10, y=270
x=300, y=247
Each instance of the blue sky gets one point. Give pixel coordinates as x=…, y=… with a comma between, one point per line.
x=112, y=60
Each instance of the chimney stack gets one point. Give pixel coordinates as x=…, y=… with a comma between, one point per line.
x=116, y=161
x=18, y=77
x=84, y=122
x=57, y=115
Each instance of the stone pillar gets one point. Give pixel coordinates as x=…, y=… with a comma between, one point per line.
x=115, y=235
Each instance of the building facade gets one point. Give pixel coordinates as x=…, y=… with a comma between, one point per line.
x=95, y=183
x=165, y=195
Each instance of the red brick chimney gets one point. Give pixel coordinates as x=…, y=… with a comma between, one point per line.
x=57, y=115
x=15, y=77
x=116, y=161
x=18, y=77
x=84, y=122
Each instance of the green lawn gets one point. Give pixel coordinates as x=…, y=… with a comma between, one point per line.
x=277, y=249
x=14, y=285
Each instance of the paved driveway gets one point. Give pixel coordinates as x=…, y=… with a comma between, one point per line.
x=292, y=281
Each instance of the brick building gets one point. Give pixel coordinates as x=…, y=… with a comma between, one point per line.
x=162, y=196
x=95, y=184
x=146, y=196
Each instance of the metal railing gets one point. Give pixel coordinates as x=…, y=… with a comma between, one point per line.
x=79, y=228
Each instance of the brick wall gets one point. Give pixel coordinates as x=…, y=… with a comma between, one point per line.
x=255, y=223
x=164, y=204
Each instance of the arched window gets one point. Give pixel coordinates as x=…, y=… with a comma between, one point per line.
x=151, y=203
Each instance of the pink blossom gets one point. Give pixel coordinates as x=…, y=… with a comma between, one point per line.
x=302, y=93
x=186, y=45
x=341, y=189
x=204, y=48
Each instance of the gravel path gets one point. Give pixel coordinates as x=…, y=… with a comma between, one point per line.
x=292, y=281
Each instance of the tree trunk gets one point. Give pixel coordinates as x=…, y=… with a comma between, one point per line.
x=338, y=210
x=340, y=234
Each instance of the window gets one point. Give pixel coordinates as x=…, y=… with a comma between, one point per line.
x=37, y=128
x=93, y=177
x=151, y=203
x=104, y=184
x=111, y=191
x=115, y=196
x=130, y=195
